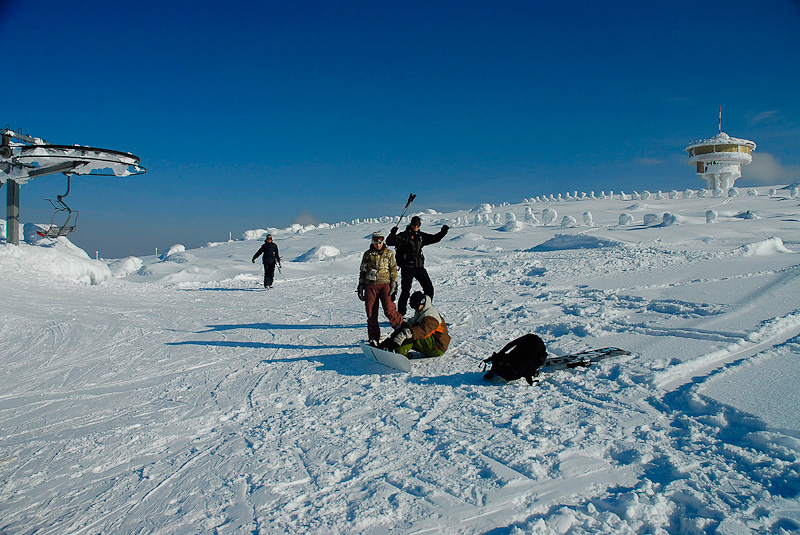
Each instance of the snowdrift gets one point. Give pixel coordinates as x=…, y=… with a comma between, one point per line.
x=574, y=241
x=770, y=246
x=319, y=253
x=54, y=258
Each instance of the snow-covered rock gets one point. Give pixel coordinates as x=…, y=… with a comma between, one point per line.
x=625, y=219
x=484, y=208
x=255, y=234
x=769, y=246
x=513, y=226
x=319, y=253
x=177, y=248
x=549, y=216
x=651, y=219
x=747, y=214
x=125, y=266
x=530, y=217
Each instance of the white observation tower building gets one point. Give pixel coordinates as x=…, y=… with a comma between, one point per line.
x=719, y=160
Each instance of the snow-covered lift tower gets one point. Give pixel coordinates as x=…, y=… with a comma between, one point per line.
x=24, y=157
x=719, y=160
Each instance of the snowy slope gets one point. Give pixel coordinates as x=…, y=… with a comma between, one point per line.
x=175, y=395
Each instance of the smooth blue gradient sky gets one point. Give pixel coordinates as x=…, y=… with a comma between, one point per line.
x=256, y=114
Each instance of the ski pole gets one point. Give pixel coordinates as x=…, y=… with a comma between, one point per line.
x=411, y=198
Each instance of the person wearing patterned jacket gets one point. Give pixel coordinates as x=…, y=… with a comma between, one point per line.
x=377, y=283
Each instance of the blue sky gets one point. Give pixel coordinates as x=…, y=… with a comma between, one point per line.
x=256, y=114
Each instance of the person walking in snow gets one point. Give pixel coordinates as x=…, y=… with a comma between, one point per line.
x=377, y=283
x=426, y=332
x=270, y=257
x=408, y=245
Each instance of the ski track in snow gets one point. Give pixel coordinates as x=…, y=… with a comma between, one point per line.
x=213, y=406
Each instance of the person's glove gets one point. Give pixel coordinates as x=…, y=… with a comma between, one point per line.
x=253, y=260
x=445, y=228
x=393, y=290
x=388, y=345
x=402, y=335
x=393, y=231
x=360, y=291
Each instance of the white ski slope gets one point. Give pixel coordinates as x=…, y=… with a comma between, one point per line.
x=174, y=395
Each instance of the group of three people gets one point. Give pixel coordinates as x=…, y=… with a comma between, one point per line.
x=426, y=331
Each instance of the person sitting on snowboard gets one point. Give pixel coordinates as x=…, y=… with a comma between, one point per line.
x=426, y=332
x=377, y=283
x=409, y=244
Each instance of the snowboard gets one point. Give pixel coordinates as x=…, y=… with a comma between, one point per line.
x=387, y=358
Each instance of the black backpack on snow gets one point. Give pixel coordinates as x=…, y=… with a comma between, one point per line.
x=519, y=358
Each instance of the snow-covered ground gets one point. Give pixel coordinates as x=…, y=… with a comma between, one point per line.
x=174, y=395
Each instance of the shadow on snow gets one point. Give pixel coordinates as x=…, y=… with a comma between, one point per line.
x=256, y=345
x=278, y=326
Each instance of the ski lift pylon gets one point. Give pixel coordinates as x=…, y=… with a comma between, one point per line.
x=31, y=157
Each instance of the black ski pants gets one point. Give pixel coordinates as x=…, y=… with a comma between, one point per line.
x=269, y=273
x=407, y=276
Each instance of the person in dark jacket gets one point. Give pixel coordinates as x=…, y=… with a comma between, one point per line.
x=408, y=246
x=270, y=257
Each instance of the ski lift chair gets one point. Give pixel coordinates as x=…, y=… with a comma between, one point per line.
x=54, y=231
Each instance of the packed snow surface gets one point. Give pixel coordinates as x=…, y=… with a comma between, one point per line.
x=173, y=394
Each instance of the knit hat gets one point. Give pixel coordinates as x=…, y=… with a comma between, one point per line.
x=417, y=300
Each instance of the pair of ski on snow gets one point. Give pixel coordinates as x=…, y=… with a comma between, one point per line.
x=575, y=360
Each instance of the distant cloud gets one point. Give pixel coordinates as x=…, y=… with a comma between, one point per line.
x=767, y=117
x=766, y=169
x=649, y=161
x=306, y=218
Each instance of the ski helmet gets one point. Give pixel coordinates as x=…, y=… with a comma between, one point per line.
x=417, y=300
x=416, y=221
